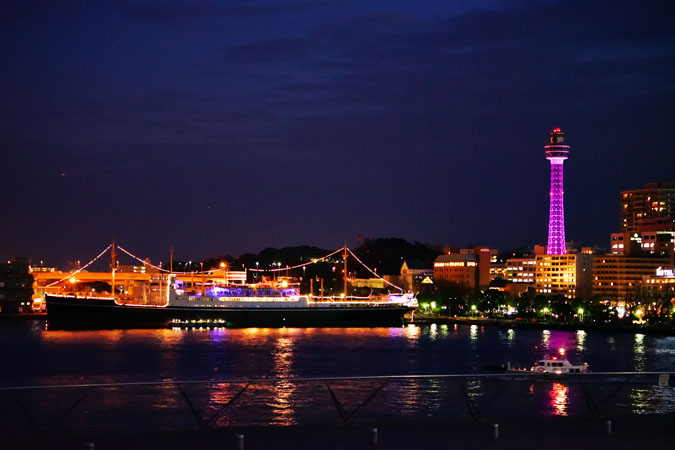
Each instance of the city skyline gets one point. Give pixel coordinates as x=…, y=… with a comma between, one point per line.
x=223, y=129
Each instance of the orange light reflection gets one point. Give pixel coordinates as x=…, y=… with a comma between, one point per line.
x=559, y=399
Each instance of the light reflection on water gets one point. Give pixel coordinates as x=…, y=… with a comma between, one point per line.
x=639, y=350
x=581, y=339
x=473, y=336
x=545, y=338
x=153, y=355
x=559, y=399
x=283, y=391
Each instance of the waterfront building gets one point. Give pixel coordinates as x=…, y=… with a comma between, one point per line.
x=570, y=275
x=497, y=271
x=659, y=288
x=653, y=242
x=651, y=208
x=369, y=283
x=456, y=268
x=478, y=272
x=414, y=273
x=556, y=153
x=16, y=287
x=617, y=278
x=521, y=270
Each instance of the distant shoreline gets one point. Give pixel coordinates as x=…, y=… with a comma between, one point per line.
x=537, y=325
x=503, y=323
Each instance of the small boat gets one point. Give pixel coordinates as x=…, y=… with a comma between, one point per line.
x=558, y=366
x=553, y=365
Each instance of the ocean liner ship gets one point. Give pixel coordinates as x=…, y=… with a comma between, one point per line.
x=240, y=306
x=168, y=300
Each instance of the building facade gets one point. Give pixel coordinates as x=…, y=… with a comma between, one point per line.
x=617, y=278
x=478, y=259
x=16, y=287
x=570, y=275
x=651, y=208
x=456, y=268
x=659, y=288
x=414, y=273
x=637, y=243
x=522, y=270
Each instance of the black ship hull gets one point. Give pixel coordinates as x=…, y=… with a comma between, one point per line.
x=69, y=312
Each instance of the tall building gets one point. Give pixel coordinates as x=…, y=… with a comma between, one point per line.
x=556, y=153
x=651, y=208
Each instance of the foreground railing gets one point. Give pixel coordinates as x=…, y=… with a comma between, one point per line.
x=65, y=409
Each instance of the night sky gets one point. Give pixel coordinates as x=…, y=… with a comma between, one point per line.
x=225, y=128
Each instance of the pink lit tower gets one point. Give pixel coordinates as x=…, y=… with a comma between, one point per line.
x=557, y=153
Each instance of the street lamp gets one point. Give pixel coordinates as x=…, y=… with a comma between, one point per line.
x=581, y=314
x=473, y=310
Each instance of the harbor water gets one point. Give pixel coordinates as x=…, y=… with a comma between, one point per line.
x=37, y=356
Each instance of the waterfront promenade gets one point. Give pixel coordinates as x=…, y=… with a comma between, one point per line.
x=421, y=319
x=628, y=432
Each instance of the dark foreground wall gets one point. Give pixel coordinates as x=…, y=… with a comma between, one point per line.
x=629, y=432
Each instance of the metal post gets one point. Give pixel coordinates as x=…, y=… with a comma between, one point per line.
x=373, y=437
x=240, y=442
x=495, y=431
x=608, y=428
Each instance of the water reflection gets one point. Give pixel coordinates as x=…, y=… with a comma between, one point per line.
x=581, y=339
x=473, y=334
x=559, y=398
x=639, y=351
x=282, y=391
x=545, y=338
x=433, y=331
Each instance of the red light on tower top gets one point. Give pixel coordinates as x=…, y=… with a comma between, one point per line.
x=557, y=136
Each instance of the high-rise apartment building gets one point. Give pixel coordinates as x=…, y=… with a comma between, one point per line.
x=651, y=208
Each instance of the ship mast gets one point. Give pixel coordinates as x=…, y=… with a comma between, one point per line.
x=170, y=260
x=345, y=270
x=113, y=255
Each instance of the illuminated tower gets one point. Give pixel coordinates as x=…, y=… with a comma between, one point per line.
x=557, y=153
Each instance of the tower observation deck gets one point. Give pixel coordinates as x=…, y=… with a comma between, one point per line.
x=557, y=153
